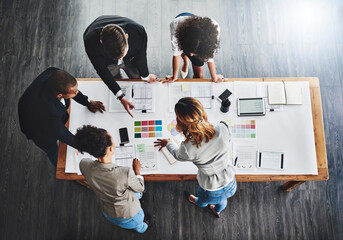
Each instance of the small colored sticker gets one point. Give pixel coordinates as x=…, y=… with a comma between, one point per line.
x=138, y=129
x=137, y=123
x=141, y=147
x=145, y=135
x=145, y=129
x=151, y=122
x=151, y=129
x=158, y=122
x=253, y=135
x=144, y=123
x=158, y=128
x=137, y=135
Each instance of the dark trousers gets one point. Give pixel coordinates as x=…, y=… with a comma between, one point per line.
x=51, y=151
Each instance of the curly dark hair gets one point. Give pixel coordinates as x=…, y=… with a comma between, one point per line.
x=93, y=140
x=198, y=35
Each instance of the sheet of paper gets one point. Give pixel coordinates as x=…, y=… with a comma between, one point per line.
x=293, y=93
x=75, y=156
x=124, y=155
x=272, y=160
x=262, y=91
x=276, y=93
x=204, y=92
x=114, y=104
x=245, y=89
x=147, y=156
x=144, y=97
x=246, y=155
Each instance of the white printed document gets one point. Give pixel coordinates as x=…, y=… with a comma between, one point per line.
x=115, y=104
x=204, y=92
x=144, y=97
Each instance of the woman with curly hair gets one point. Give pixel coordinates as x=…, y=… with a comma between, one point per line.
x=197, y=39
x=207, y=146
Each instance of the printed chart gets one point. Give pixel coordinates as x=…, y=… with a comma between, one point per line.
x=242, y=128
x=148, y=129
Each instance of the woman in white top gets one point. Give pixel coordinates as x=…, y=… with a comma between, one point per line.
x=197, y=39
x=207, y=146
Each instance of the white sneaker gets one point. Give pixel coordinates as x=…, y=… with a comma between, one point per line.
x=184, y=74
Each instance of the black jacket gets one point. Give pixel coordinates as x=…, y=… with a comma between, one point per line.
x=42, y=116
x=137, y=48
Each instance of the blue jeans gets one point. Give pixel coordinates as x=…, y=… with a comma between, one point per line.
x=136, y=222
x=217, y=198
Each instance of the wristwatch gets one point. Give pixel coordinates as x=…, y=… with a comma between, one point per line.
x=121, y=96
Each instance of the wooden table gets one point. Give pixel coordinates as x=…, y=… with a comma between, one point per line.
x=292, y=181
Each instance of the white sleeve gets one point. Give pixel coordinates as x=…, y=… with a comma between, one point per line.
x=175, y=47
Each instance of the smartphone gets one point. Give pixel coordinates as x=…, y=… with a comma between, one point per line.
x=124, y=136
x=225, y=95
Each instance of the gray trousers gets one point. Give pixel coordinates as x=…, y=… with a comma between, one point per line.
x=131, y=70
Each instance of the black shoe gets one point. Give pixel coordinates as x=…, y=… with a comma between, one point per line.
x=147, y=219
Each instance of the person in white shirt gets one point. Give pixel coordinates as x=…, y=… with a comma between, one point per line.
x=197, y=39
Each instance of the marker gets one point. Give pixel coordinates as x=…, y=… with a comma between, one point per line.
x=236, y=161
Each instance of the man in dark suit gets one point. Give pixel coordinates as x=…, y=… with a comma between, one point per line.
x=113, y=43
x=43, y=110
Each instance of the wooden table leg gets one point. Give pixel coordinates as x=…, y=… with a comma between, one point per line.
x=290, y=185
x=83, y=183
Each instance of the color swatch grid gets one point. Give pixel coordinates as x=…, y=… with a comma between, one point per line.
x=148, y=129
x=242, y=128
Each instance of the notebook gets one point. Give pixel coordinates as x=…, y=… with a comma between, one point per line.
x=284, y=93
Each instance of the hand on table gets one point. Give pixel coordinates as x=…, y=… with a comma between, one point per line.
x=161, y=143
x=94, y=106
x=169, y=79
x=153, y=78
x=136, y=165
x=127, y=105
x=219, y=78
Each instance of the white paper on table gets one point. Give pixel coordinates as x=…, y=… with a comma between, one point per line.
x=245, y=89
x=144, y=97
x=147, y=156
x=204, y=92
x=75, y=156
x=246, y=153
x=271, y=160
x=293, y=92
x=114, y=103
x=124, y=155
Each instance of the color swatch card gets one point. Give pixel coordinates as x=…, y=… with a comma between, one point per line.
x=242, y=128
x=148, y=129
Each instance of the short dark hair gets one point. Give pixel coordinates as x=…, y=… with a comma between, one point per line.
x=60, y=82
x=113, y=40
x=93, y=140
x=198, y=35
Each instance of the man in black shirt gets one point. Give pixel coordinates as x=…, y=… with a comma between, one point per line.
x=43, y=110
x=113, y=43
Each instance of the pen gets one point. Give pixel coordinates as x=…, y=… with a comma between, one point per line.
x=236, y=161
